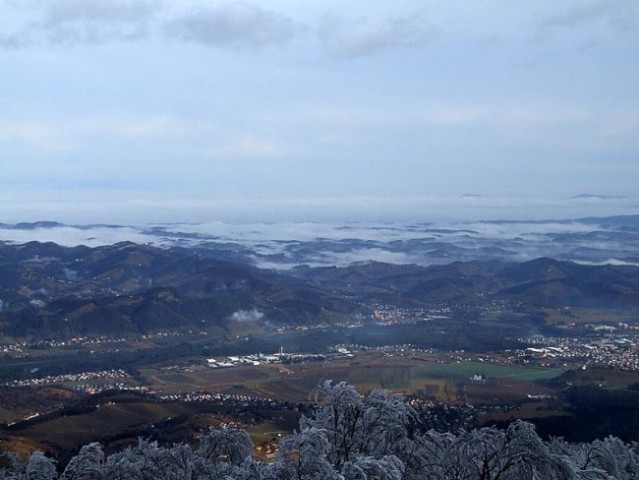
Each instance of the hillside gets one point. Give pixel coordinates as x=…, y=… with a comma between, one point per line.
x=541, y=282
x=48, y=291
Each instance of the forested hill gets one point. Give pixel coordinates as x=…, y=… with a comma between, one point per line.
x=541, y=282
x=49, y=291
x=351, y=437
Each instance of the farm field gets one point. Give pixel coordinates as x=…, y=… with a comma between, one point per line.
x=425, y=375
x=422, y=375
x=466, y=369
x=555, y=316
x=117, y=424
x=107, y=421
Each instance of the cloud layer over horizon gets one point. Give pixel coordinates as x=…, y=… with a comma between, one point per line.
x=153, y=110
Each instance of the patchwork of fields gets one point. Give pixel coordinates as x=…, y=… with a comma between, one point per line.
x=504, y=390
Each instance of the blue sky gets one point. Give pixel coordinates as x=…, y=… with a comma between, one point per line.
x=157, y=110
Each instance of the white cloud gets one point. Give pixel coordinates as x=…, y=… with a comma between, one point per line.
x=252, y=146
x=236, y=25
x=142, y=127
x=62, y=12
x=42, y=135
x=72, y=236
x=280, y=245
x=611, y=261
x=522, y=114
x=253, y=315
x=617, y=16
x=82, y=21
x=361, y=37
x=66, y=136
x=166, y=129
x=70, y=22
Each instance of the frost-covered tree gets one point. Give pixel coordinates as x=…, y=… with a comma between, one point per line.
x=304, y=456
x=88, y=464
x=373, y=426
x=224, y=453
x=351, y=437
x=492, y=454
x=372, y=468
x=340, y=417
x=610, y=456
x=36, y=467
x=40, y=467
x=226, y=445
x=14, y=466
x=148, y=460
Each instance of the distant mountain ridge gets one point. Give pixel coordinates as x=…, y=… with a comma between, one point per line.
x=542, y=282
x=590, y=240
x=50, y=291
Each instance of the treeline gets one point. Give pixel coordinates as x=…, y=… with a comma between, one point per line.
x=351, y=437
x=594, y=412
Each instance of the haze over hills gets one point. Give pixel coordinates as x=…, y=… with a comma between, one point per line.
x=445, y=312
x=183, y=278
x=51, y=291
x=209, y=209
x=605, y=240
x=542, y=282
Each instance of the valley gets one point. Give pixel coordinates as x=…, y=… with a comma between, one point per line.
x=115, y=342
x=174, y=396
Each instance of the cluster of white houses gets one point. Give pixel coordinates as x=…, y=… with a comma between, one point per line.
x=236, y=361
x=262, y=359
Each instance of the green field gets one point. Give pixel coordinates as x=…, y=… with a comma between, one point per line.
x=426, y=375
x=395, y=377
x=367, y=371
x=489, y=370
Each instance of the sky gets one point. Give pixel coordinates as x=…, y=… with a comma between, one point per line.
x=137, y=111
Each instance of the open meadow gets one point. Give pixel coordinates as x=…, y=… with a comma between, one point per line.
x=177, y=407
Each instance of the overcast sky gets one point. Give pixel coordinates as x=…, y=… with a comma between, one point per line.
x=147, y=111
